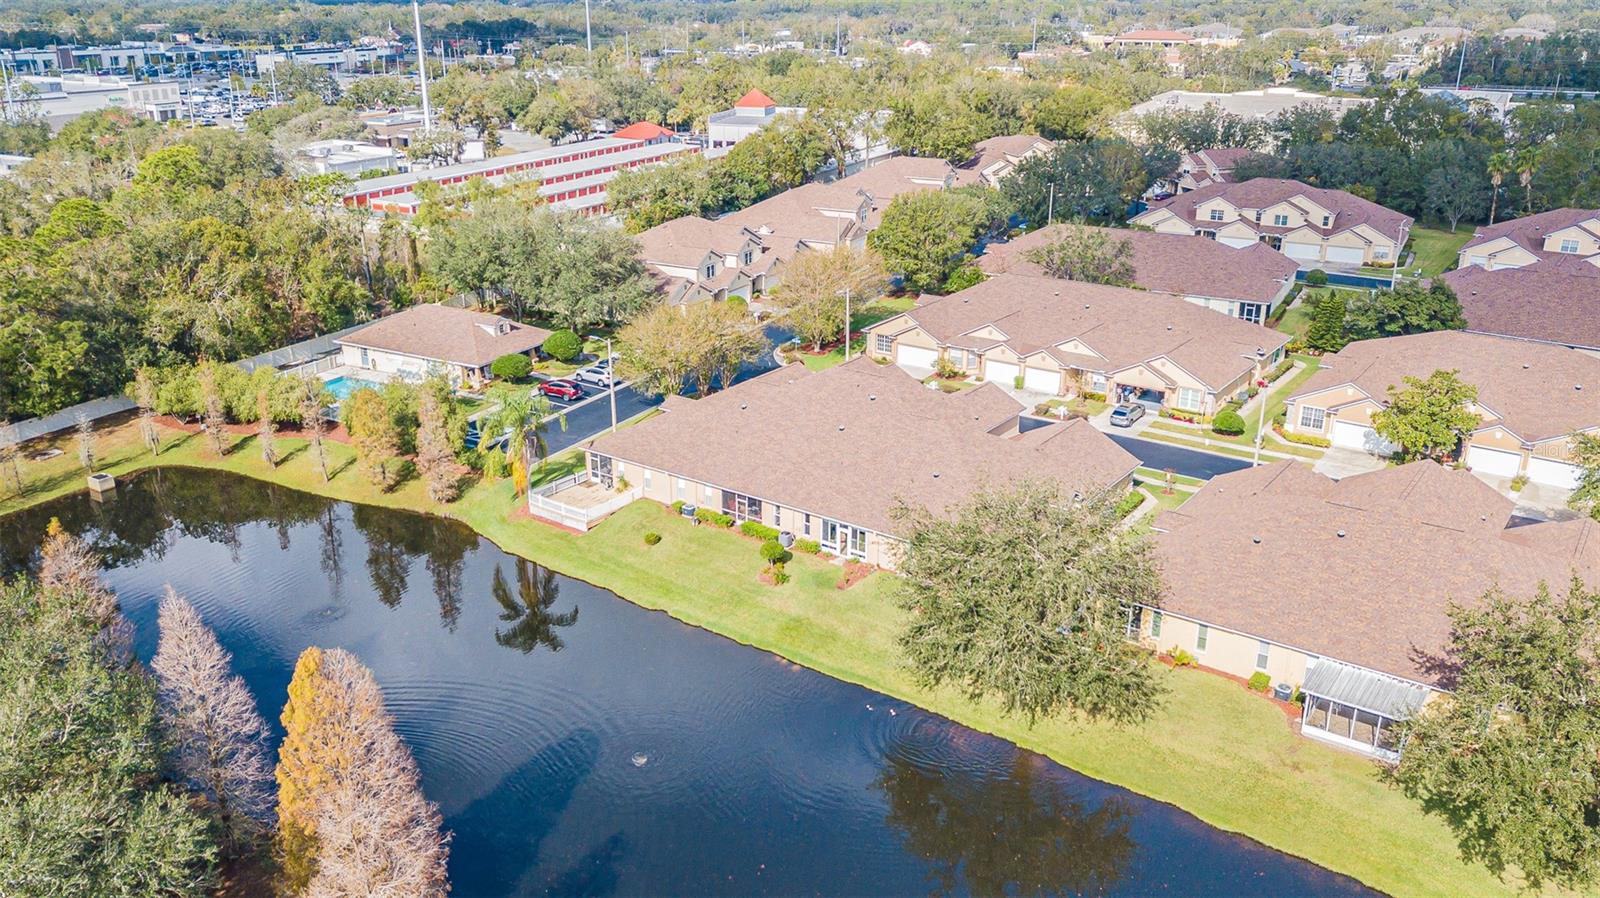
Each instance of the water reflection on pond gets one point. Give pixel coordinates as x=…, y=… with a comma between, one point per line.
x=580, y=745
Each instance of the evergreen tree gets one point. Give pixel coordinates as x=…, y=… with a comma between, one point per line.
x=435, y=462
x=1327, y=326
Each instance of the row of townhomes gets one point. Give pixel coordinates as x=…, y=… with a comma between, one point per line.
x=1053, y=338
x=1339, y=588
x=1316, y=227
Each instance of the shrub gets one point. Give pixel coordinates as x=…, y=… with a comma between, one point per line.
x=1260, y=682
x=1518, y=482
x=1297, y=697
x=962, y=278
x=1094, y=397
x=1128, y=503
x=808, y=547
x=773, y=552
x=494, y=465
x=780, y=576
x=563, y=346
x=677, y=507
x=1316, y=277
x=1303, y=439
x=1284, y=367
x=712, y=516
x=651, y=538
x=1018, y=381
x=946, y=369
x=1228, y=422
x=512, y=366
x=738, y=302
x=1181, y=658
x=758, y=530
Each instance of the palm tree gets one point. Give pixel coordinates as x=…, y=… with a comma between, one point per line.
x=528, y=612
x=523, y=418
x=1499, y=166
x=1527, y=161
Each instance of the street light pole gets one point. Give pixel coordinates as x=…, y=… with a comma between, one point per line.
x=612, y=377
x=1261, y=422
x=847, y=323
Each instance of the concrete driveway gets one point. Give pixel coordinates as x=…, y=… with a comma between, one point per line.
x=1340, y=463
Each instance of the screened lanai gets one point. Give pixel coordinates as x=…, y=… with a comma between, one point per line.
x=1356, y=708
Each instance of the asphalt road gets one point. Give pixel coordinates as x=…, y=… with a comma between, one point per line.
x=594, y=418
x=1186, y=462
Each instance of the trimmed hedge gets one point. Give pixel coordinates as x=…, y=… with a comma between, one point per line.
x=563, y=346
x=712, y=516
x=1260, y=682
x=1228, y=422
x=1128, y=503
x=758, y=530
x=1303, y=439
x=512, y=366
x=808, y=547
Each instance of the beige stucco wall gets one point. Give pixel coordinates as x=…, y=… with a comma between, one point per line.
x=1227, y=651
x=1588, y=245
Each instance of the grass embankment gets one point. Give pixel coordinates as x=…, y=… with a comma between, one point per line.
x=1214, y=749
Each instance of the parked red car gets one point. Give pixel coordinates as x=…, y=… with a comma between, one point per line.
x=562, y=389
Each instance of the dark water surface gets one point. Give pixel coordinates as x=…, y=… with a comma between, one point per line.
x=580, y=745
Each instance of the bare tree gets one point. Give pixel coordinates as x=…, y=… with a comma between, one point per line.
x=144, y=394
x=266, y=428
x=351, y=786
x=213, y=413
x=85, y=428
x=311, y=423
x=11, y=456
x=219, y=738
x=69, y=566
x=816, y=286
x=435, y=462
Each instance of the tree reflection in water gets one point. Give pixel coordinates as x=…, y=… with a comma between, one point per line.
x=1022, y=834
x=528, y=611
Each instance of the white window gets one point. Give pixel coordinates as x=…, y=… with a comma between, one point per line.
x=711, y=495
x=711, y=271
x=1191, y=399
x=681, y=489
x=1216, y=214
x=1312, y=418
x=749, y=257
x=1201, y=635
x=885, y=343
x=1569, y=246
x=1327, y=220
x=1097, y=383
x=1477, y=260
x=646, y=478
x=1380, y=252
x=777, y=516
x=1155, y=625
x=805, y=523
x=1280, y=220
x=1261, y=654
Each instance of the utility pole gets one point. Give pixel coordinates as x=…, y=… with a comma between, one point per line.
x=847, y=322
x=422, y=68
x=588, y=33
x=1462, y=62
x=1050, y=216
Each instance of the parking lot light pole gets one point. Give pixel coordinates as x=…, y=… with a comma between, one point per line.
x=611, y=378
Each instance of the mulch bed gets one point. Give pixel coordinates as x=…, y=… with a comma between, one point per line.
x=854, y=572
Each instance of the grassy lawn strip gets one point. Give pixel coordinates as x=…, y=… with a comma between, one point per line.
x=1214, y=749
x=860, y=318
x=1164, y=436
x=1156, y=478
x=1436, y=250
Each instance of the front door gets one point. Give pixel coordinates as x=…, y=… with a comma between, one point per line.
x=830, y=534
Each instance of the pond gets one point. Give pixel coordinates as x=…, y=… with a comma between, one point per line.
x=580, y=745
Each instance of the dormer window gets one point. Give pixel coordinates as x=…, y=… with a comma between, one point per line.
x=1327, y=220
x=1569, y=246
x=1216, y=214
x=749, y=257
x=1280, y=220
x=711, y=271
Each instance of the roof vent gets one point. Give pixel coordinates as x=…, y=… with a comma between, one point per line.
x=744, y=405
x=935, y=475
x=1524, y=366
x=1256, y=540
x=872, y=397
x=841, y=428
x=1341, y=534
x=1577, y=386
x=1169, y=327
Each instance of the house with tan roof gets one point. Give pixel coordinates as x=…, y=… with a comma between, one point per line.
x=695, y=260
x=1202, y=168
x=1532, y=397
x=1244, y=283
x=419, y=341
x=827, y=455
x=1064, y=338
x=1536, y=277
x=1341, y=589
x=1316, y=227
x=997, y=157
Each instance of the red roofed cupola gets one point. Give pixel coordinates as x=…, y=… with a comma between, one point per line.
x=755, y=99
x=649, y=132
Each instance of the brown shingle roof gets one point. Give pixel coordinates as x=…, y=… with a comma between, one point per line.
x=1258, y=193
x=1181, y=264
x=1361, y=570
x=685, y=241
x=445, y=334
x=1530, y=230
x=1534, y=388
x=996, y=149
x=1124, y=326
x=848, y=442
x=1554, y=300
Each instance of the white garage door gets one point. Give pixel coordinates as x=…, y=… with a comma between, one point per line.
x=1001, y=372
x=1553, y=473
x=1305, y=252
x=1042, y=381
x=1348, y=255
x=1493, y=461
x=917, y=355
x=1346, y=435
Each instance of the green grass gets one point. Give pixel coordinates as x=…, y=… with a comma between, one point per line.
x=860, y=319
x=1436, y=250
x=1213, y=749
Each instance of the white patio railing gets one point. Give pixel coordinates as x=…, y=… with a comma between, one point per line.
x=578, y=517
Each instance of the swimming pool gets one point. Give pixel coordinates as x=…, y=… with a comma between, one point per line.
x=341, y=387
